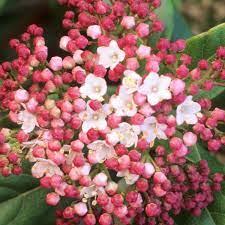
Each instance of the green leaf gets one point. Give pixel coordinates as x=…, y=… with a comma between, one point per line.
x=211, y=94
x=181, y=29
x=22, y=202
x=166, y=13
x=2, y=3
x=175, y=25
x=200, y=152
x=177, y=3
x=54, y=96
x=203, y=46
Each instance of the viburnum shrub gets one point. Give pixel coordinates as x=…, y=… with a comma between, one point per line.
x=113, y=124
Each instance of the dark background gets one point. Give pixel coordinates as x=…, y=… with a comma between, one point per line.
x=15, y=15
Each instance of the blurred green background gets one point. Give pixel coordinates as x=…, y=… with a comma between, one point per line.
x=15, y=15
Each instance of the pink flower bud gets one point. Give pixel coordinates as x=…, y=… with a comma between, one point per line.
x=111, y=188
x=128, y=22
x=100, y=180
x=152, y=210
x=80, y=209
x=56, y=63
x=177, y=86
x=152, y=66
x=21, y=95
x=175, y=143
x=142, y=30
x=139, y=99
x=137, y=119
x=77, y=145
x=149, y=170
x=79, y=105
x=132, y=64
x=52, y=199
x=159, y=178
x=68, y=63
x=121, y=211
x=105, y=219
x=77, y=57
x=114, y=120
x=189, y=139
x=63, y=42
x=46, y=75
x=181, y=152
x=182, y=71
x=143, y=51
x=214, y=145
x=89, y=219
x=146, y=110
x=124, y=162
x=94, y=31
x=68, y=212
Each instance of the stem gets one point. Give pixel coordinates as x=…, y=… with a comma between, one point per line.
x=147, y=157
x=219, y=84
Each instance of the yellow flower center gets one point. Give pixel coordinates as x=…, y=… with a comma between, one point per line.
x=114, y=58
x=130, y=82
x=97, y=89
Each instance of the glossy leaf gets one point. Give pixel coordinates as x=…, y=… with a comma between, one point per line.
x=203, y=46
x=22, y=202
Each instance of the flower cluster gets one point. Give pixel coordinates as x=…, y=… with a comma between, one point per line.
x=104, y=126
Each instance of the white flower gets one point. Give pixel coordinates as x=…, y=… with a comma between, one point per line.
x=156, y=88
x=152, y=129
x=101, y=150
x=187, y=111
x=28, y=121
x=45, y=167
x=91, y=191
x=94, y=119
x=126, y=134
x=110, y=56
x=131, y=81
x=123, y=103
x=130, y=178
x=94, y=87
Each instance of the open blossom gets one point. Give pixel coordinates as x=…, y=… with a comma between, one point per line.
x=100, y=151
x=152, y=129
x=125, y=134
x=131, y=81
x=123, y=103
x=110, y=56
x=94, y=119
x=28, y=120
x=187, y=111
x=91, y=191
x=130, y=178
x=156, y=88
x=94, y=87
x=45, y=167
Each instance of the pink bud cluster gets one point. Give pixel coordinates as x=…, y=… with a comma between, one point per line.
x=104, y=126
